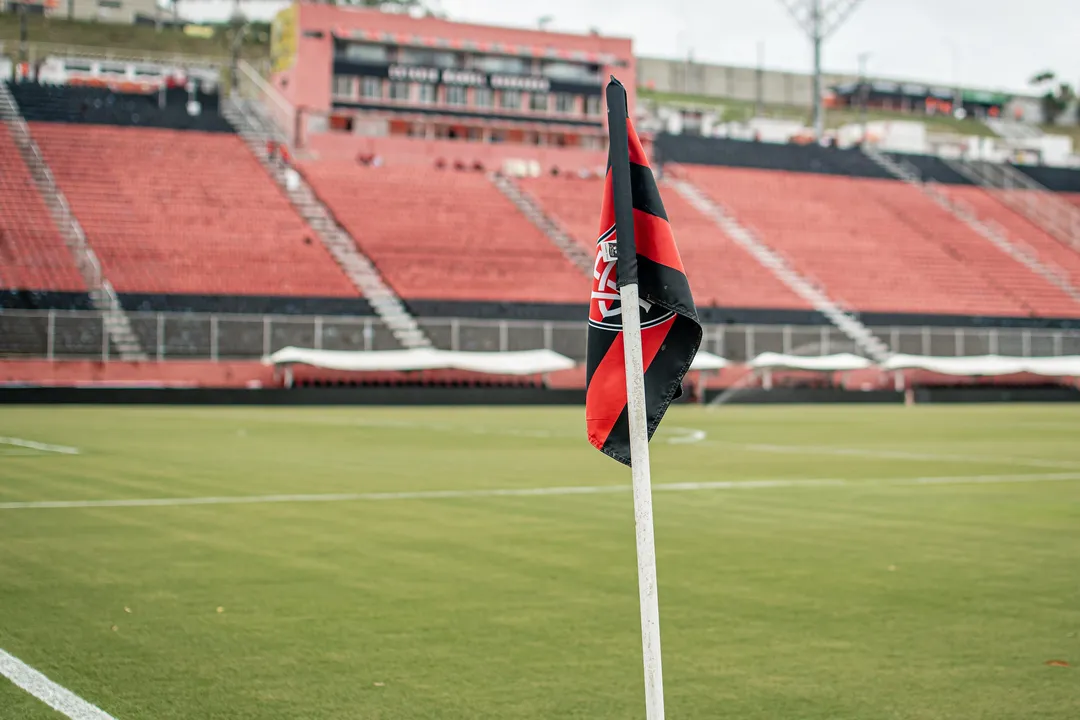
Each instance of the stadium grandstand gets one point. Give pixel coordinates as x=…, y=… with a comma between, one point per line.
x=398, y=183
x=316, y=398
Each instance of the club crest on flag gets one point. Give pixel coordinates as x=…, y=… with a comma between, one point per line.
x=605, y=308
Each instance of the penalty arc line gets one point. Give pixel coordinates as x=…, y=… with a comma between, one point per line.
x=685, y=436
x=55, y=696
x=542, y=491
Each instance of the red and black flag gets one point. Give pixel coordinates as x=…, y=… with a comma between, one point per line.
x=644, y=253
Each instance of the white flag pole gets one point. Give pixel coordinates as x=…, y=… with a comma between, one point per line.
x=626, y=267
x=643, y=512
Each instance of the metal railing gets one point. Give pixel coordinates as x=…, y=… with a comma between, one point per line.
x=40, y=50
x=802, y=285
x=990, y=230
x=85, y=258
x=250, y=85
x=1023, y=194
x=63, y=334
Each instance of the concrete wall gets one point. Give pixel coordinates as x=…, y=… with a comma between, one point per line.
x=778, y=88
x=727, y=81
x=108, y=11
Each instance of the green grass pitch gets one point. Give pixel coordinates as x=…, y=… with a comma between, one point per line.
x=932, y=573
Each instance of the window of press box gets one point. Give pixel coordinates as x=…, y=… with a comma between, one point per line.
x=483, y=97
x=366, y=52
x=371, y=88
x=341, y=123
x=510, y=99
x=564, y=103
x=427, y=58
x=592, y=105
x=343, y=86
x=496, y=64
x=571, y=71
x=538, y=102
x=455, y=95
x=399, y=91
x=426, y=94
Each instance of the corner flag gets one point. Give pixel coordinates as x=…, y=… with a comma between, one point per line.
x=635, y=247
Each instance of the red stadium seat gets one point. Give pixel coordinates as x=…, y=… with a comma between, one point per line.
x=33, y=255
x=881, y=245
x=721, y=273
x=1022, y=231
x=186, y=212
x=451, y=236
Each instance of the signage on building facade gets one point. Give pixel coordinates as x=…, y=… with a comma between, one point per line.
x=520, y=82
x=473, y=78
x=414, y=74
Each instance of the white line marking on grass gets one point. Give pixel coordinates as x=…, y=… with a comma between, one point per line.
x=990, y=479
x=530, y=492
x=58, y=698
x=678, y=436
x=895, y=454
x=44, y=447
x=675, y=436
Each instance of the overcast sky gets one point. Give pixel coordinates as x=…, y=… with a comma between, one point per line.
x=984, y=43
x=995, y=44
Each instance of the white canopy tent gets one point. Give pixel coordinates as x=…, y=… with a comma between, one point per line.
x=823, y=363
x=707, y=361
x=527, y=362
x=538, y=362
x=981, y=365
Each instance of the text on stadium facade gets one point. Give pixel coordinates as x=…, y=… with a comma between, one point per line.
x=450, y=76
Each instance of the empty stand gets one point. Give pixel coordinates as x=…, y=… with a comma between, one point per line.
x=261, y=134
x=1046, y=209
x=445, y=234
x=574, y=202
x=1047, y=248
x=33, y=255
x=530, y=207
x=185, y=212
x=721, y=273
x=881, y=245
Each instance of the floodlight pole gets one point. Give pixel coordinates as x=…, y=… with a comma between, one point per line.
x=864, y=92
x=819, y=19
x=819, y=98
